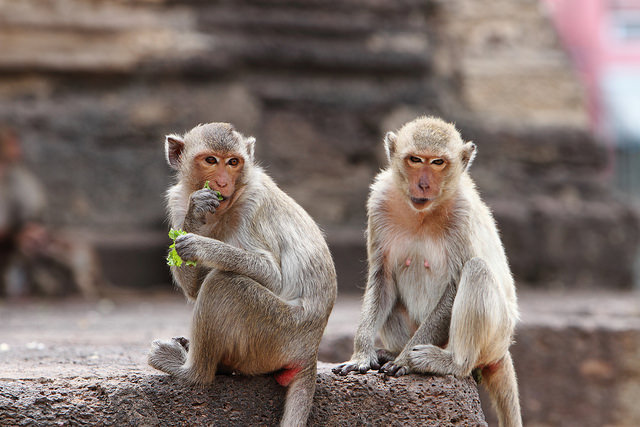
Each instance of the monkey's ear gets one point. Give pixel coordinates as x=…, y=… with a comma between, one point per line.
x=251, y=145
x=173, y=146
x=390, y=140
x=468, y=154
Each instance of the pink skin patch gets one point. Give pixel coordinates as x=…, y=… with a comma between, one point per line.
x=286, y=375
x=491, y=368
x=426, y=264
x=407, y=262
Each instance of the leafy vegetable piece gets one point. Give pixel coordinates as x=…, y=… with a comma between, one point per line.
x=173, y=258
x=218, y=194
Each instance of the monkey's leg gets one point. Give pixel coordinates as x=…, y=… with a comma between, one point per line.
x=243, y=324
x=379, y=299
x=481, y=326
x=240, y=322
x=434, y=330
x=474, y=319
x=396, y=331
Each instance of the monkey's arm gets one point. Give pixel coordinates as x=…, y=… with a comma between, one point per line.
x=379, y=298
x=434, y=330
x=259, y=266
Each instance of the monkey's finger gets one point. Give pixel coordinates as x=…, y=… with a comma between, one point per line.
x=205, y=200
x=345, y=368
x=363, y=369
x=338, y=369
x=184, y=342
x=402, y=371
x=389, y=368
x=207, y=205
x=186, y=248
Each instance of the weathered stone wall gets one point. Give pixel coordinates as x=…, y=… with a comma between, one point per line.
x=93, y=86
x=159, y=400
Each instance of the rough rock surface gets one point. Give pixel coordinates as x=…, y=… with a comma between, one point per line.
x=238, y=401
x=85, y=364
x=576, y=356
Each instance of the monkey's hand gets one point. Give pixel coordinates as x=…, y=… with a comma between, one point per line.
x=187, y=246
x=397, y=367
x=201, y=202
x=359, y=364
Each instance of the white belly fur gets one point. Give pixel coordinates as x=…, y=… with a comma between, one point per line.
x=419, y=287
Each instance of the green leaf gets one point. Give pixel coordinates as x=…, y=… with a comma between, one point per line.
x=173, y=259
x=218, y=194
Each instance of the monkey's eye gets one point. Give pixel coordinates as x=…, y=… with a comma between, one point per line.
x=211, y=160
x=414, y=159
x=437, y=162
x=233, y=162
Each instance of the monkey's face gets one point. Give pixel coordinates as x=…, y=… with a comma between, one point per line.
x=223, y=170
x=425, y=175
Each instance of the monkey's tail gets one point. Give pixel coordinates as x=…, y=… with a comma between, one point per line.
x=500, y=380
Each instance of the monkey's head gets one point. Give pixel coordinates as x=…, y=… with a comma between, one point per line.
x=428, y=156
x=214, y=152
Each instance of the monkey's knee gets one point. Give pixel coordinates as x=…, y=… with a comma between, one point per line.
x=478, y=291
x=476, y=270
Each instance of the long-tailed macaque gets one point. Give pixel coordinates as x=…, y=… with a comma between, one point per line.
x=439, y=291
x=264, y=283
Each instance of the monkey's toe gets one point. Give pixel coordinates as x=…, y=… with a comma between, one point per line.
x=344, y=369
x=184, y=342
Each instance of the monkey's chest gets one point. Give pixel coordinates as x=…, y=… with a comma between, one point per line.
x=421, y=276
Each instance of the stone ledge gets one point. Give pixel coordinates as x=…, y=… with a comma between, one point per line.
x=133, y=399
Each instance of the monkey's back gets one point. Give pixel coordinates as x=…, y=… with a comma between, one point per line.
x=278, y=224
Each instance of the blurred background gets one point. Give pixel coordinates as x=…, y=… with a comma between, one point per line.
x=549, y=90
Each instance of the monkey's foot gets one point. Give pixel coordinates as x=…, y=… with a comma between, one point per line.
x=358, y=365
x=184, y=342
x=167, y=356
x=429, y=359
x=395, y=368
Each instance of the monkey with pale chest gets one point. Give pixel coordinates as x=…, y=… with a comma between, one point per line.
x=440, y=292
x=264, y=283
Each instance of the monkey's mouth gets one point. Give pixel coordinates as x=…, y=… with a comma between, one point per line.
x=419, y=200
